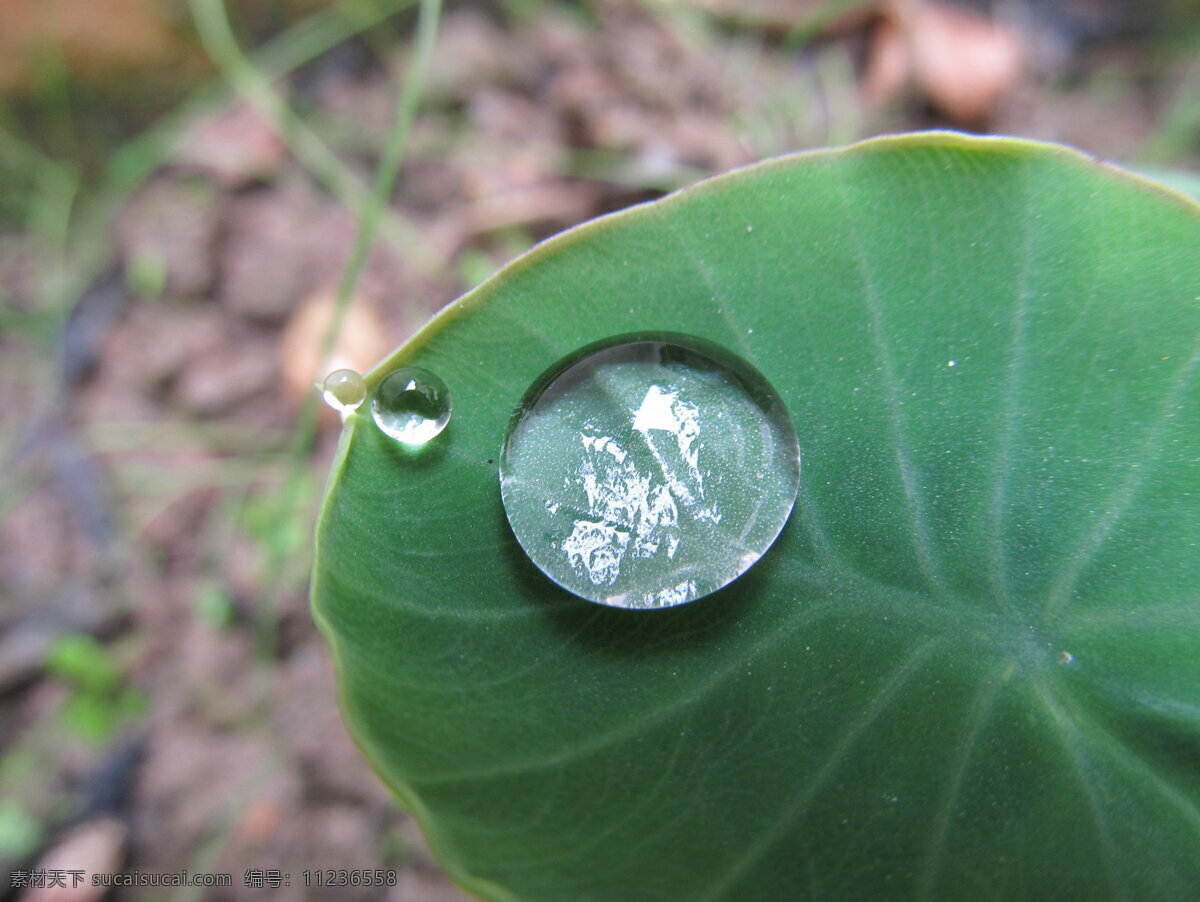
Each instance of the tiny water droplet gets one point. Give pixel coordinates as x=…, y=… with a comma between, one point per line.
x=344, y=390
x=411, y=405
x=649, y=472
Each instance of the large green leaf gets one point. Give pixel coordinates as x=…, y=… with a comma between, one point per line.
x=970, y=665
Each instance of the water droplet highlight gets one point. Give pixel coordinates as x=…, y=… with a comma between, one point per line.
x=649, y=473
x=411, y=405
x=344, y=391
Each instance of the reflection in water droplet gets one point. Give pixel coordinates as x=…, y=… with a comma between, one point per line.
x=344, y=390
x=649, y=473
x=411, y=405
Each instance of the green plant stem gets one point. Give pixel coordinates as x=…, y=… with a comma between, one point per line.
x=303, y=42
x=393, y=155
x=217, y=36
x=137, y=159
x=126, y=436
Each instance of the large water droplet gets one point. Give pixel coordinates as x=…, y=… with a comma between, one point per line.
x=649, y=473
x=411, y=405
x=344, y=391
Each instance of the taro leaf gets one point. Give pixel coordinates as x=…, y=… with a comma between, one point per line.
x=970, y=665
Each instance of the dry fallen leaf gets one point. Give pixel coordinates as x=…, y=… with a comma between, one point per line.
x=94, y=847
x=964, y=63
x=172, y=227
x=359, y=346
x=236, y=146
x=889, y=64
x=93, y=37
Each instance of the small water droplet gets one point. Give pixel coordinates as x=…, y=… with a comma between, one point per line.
x=411, y=405
x=344, y=391
x=1065, y=657
x=649, y=473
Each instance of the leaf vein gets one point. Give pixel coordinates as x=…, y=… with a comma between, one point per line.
x=1068, y=735
x=922, y=542
x=997, y=559
x=1149, y=454
x=795, y=807
x=984, y=703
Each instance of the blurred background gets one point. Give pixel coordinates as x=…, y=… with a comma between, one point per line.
x=205, y=206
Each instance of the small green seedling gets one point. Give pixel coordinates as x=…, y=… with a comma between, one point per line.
x=99, y=700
